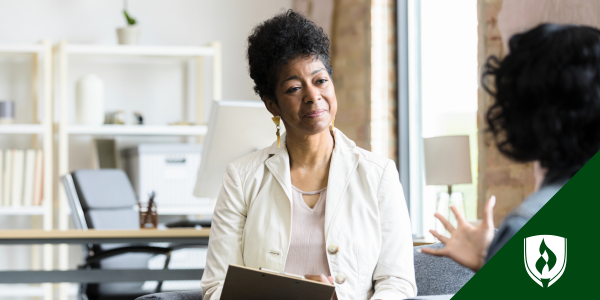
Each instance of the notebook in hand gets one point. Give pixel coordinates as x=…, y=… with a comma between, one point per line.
x=251, y=284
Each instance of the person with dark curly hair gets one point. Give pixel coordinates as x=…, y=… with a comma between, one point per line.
x=546, y=110
x=313, y=203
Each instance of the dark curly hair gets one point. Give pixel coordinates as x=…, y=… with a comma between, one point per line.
x=547, y=98
x=276, y=41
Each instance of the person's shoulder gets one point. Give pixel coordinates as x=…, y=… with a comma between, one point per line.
x=370, y=158
x=534, y=202
x=365, y=156
x=521, y=215
x=249, y=162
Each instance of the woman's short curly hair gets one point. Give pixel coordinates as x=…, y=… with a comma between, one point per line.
x=276, y=41
x=547, y=98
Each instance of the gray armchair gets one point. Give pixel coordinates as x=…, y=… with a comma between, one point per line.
x=434, y=275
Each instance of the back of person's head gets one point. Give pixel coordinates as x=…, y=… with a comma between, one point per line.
x=547, y=98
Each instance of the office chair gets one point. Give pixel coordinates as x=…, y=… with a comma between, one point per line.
x=105, y=199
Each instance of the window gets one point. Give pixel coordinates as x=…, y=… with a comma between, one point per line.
x=437, y=95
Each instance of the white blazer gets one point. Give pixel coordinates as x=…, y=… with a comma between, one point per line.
x=366, y=218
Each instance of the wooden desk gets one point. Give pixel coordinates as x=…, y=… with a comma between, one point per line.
x=144, y=236
x=178, y=236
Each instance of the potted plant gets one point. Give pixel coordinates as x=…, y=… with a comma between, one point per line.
x=129, y=35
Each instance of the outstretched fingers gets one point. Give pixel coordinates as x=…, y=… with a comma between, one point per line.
x=459, y=216
x=445, y=222
x=488, y=213
x=440, y=237
x=431, y=251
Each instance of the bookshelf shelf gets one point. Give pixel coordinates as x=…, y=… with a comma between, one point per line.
x=21, y=49
x=157, y=51
x=21, y=129
x=21, y=211
x=155, y=130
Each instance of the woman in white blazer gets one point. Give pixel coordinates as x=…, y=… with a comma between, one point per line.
x=313, y=203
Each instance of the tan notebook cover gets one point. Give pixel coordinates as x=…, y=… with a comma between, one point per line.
x=251, y=284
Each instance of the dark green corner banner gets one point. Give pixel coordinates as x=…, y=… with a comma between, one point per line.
x=556, y=255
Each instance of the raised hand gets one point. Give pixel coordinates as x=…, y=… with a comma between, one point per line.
x=467, y=244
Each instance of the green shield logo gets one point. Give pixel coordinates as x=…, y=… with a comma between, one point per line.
x=545, y=258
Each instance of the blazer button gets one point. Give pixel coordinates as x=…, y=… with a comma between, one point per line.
x=332, y=249
x=340, y=278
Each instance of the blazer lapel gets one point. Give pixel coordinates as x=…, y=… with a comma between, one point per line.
x=343, y=164
x=278, y=164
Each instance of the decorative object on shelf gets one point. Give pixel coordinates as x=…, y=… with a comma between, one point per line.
x=7, y=112
x=138, y=118
x=90, y=100
x=148, y=213
x=129, y=35
x=115, y=118
x=447, y=162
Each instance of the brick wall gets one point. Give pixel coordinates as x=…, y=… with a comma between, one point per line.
x=392, y=82
x=509, y=181
x=351, y=35
x=350, y=60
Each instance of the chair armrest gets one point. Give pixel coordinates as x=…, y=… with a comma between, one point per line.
x=98, y=256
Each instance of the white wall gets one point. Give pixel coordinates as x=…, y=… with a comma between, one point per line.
x=154, y=88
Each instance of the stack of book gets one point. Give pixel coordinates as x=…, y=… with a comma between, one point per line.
x=21, y=177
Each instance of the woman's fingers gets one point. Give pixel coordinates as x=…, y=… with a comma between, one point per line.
x=440, y=237
x=488, y=213
x=330, y=278
x=431, y=251
x=320, y=278
x=445, y=222
x=459, y=217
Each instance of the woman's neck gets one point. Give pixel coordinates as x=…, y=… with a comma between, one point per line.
x=310, y=150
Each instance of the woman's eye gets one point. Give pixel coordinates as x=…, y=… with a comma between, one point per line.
x=293, y=89
x=321, y=81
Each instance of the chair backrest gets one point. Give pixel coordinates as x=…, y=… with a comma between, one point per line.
x=438, y=275
x=101, y=199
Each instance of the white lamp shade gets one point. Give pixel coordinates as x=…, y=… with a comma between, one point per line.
x=447, y=160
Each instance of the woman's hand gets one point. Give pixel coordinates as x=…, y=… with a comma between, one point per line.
x=467, y=244
x=320, y=278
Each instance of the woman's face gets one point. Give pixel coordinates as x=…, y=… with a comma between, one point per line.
x=306, y=97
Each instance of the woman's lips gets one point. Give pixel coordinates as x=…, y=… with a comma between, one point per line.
x=315, y=113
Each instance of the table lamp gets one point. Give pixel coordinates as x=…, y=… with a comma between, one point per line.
x=447, y=162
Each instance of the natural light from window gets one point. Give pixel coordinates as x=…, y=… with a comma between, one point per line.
x=449, y=87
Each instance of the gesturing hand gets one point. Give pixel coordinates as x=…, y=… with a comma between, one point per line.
x=467, y=244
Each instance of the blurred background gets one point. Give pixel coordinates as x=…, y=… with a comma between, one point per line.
x=82, y=86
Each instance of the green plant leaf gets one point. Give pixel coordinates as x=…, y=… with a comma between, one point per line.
x=131, y=21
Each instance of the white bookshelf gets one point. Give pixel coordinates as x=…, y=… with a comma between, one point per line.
x=63, y=54
x=21, y=129
x=22, y=210
x=157, y=51
x=147, y=130
x=22, y=49
x=41, y=91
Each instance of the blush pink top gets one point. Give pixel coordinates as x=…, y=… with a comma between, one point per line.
x=307, y=253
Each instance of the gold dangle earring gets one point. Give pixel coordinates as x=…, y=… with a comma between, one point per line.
x=277, y=121
x=332, y=120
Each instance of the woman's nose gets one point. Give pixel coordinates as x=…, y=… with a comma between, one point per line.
x=312, y=94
